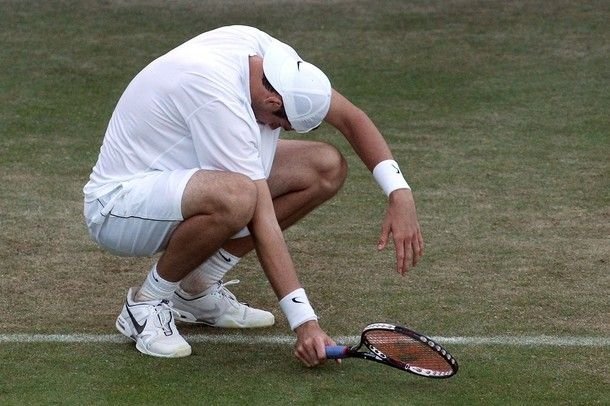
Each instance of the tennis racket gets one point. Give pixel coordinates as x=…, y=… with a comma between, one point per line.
x=400, y=348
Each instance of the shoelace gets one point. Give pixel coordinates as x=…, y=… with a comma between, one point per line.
x=164, y=312
x=222, y=290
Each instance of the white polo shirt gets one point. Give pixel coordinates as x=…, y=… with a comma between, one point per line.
x=190, y=108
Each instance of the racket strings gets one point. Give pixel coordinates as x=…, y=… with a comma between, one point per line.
x=407, y=350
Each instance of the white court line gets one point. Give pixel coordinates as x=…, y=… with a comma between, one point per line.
x=533, y=341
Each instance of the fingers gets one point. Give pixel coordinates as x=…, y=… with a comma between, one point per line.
x=402, y=254
x=418, y=247
x=420, y=244
x=408, y=252
x=310, y=349
x=408, y=243
x=383, y=237
x=311, y=353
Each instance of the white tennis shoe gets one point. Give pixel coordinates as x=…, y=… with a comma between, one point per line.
x=151, y=325
x=218, y=307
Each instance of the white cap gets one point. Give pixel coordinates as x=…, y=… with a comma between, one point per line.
x=304, y=88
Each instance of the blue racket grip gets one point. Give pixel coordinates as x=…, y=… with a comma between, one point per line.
x=336, y=351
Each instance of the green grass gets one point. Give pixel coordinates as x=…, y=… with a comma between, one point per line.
x=77, y=374
x=498, y=113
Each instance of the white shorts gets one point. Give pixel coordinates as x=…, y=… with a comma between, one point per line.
x=138, y=217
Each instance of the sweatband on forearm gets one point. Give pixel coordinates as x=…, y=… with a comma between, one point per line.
x=297, y=309
x=389, y=177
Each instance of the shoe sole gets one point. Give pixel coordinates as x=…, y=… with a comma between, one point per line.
x=123, y=327
x=231, y=324
x=182, y=352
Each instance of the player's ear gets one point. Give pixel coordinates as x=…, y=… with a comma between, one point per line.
x=273, y=101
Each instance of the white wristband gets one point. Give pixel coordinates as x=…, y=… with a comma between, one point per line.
x=297, y=309
x=389, y=177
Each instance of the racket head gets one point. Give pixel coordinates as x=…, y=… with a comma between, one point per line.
x=408, y=350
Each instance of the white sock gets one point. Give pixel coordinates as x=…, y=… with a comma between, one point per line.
x=155, y=287
x=207, y=274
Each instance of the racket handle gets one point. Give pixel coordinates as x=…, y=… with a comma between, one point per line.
x=336, y=351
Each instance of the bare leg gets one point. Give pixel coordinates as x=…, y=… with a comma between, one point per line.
x=305, y=174
x=215, y=206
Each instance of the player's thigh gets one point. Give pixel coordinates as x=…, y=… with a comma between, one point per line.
x=299, y=163
x=219, y=193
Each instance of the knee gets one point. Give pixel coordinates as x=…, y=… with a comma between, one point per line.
x=225, y=197
x=238, y=201
x=331, y=168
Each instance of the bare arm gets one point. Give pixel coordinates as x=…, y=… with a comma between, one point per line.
x=280, y=271
x=270, y=245
x=359, y=130
x=401, y=218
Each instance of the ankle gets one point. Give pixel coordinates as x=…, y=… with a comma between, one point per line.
x=155, y=287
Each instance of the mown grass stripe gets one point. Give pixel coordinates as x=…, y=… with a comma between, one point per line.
x=534, y=341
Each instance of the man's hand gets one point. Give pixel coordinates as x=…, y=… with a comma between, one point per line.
x=401, y=222
x=311, y=343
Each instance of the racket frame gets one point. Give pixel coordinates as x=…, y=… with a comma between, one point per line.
x=374, y=354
